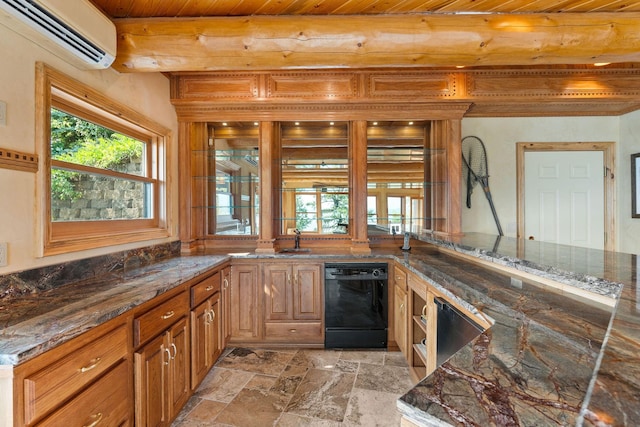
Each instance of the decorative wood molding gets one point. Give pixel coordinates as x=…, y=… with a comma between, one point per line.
x=405, y=94
x=16, y=160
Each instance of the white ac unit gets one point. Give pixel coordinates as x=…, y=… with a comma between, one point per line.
x=74, y=30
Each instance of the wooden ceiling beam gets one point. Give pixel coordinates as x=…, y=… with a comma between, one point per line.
x=292, y=42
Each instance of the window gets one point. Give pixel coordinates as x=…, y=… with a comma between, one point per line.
x=104, y=183
x=325, y=211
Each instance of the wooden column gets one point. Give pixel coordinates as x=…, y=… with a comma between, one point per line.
x=192, y=142
x=454, y=178
x=269, y=188
x=443, y=177
x=358, y=187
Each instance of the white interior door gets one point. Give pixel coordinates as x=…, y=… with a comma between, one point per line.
x=564, y=197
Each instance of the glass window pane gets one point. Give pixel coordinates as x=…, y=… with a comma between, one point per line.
x=78, y=196
x=78, y=141
x=232, y=157
x=372, y=210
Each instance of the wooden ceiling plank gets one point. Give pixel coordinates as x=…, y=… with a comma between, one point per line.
x=194, y=8
x=269, y=42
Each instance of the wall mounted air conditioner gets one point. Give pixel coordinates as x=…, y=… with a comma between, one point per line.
x=74, y=30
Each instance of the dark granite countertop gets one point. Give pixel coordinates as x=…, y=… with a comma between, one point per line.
x=34, y=323
x=551, y=357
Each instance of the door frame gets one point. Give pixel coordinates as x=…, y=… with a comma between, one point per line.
x=608, y=158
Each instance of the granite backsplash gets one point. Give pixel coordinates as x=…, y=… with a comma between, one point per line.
x=42, y=279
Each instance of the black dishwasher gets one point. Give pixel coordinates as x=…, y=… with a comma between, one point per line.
x=356, y=305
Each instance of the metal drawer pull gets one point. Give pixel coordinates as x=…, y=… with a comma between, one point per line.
x=168, y=356
x=168, y=315
x=94, y=363
x=213, y=315
x=293, y=331
x=402, y=308
x=226, y=283
x=208, y=288
x=175, y=350
x=98, y=418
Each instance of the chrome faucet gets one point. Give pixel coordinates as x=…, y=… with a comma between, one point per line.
x=296, y=244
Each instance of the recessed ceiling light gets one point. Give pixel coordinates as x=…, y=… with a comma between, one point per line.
x=256, y=123
x=331, y=123
x=297, y=123
x=410, y=123
x=224, y=123
x=375, y=123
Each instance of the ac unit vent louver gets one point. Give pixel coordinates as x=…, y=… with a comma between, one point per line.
x=54, y=25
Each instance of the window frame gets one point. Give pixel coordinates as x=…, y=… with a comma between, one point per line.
x=54, y=89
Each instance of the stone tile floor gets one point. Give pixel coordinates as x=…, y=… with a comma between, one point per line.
x=299, y=387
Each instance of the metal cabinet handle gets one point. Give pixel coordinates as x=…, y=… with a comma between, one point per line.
x=98, y=418
x=93, y=364
x=226, y=283
x=402, y=308
x=168, y=315
x=289, y=278
x=213, y=315
x=208, y=288
x=168, y=356
x=175, y=351
x=293, y=331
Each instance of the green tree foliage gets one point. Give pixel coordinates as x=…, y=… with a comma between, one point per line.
x=78, y=141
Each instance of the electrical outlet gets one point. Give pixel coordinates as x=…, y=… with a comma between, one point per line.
x=3, y=113
x=4, y=254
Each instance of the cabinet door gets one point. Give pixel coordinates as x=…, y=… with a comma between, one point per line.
x=200, y=341
x=178, y=337
x=215, y=330
x=225, y=308
x=400, y=318
x=278, y=299
x=245, y=310
x=151, y=382
x=307, y=292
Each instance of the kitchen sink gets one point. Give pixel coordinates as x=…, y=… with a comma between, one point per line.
x=294, y=251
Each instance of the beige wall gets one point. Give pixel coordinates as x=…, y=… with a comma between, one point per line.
x=147, y=93
x=628, y=228
x=500, y=137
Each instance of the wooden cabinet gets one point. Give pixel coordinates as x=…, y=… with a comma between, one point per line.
x=293, y=302
x=206, y=333
x=244, y=301
x=162, y=365
x=400, y=318
x=76, y=380
x=423, y=330
x=225, y=305
x=102, y=403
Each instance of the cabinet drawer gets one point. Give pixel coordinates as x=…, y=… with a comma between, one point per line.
x=294, y=331
x=106, y=402
x=45, y=389
x=205, y=289
x=400, y=278
x=160, y=318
